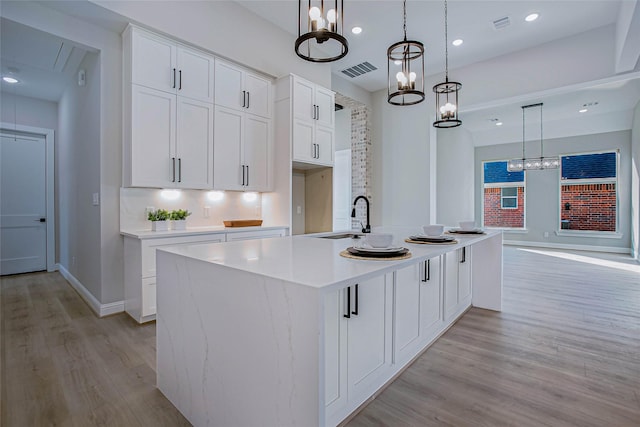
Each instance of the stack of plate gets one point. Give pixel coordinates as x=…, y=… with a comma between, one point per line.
x=431, y=239
x=378, y=252
x=461, y=231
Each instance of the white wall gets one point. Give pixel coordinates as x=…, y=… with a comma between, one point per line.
x=455, y=177
x=635, y=183
x=542, y=190
x=348, y=89
x=78, y=176
x=400, y=162
x=28, y=111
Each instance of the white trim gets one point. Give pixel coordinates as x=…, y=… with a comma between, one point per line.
x=591, y=248
x=588, y=181
x=589, y=234
x=510, y=230
x=504, y=184
x=49, y=139
x=98, y=308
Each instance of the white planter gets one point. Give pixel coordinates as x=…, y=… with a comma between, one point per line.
x=159, y=225
x=180, y=224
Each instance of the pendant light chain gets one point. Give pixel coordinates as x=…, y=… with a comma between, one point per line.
x=541, y=143
x=446, y=43
x=523, y=136
x=404, y=7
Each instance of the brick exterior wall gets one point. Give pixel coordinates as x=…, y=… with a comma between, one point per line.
x=495, y=216
x=593, y=206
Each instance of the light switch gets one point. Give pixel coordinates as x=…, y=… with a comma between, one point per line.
x=299, y=210
x=206, y=211
x=96, y=199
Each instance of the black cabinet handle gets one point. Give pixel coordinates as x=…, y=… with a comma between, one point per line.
x=248, y=99
x=317, y=151
x=244, y=98
x=427, y=271
x=179, y=169
x=318, y=113
x=348, y=315
x=247, y=175
x=356, y=310
x=173, y=169
x=174, y=78
x=243, y=175
x=180, y=73
x=464, y=255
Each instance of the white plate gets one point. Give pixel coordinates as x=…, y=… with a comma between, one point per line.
x=440, y=238
x=379, y=250
x=459, y=230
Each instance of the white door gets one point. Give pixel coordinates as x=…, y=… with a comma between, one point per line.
x=303, y=96
x=325, y=111
x=228, y=84
x=153, y=62
x=303, y=148
x=342, y=191
x=258, y=95
x=195, y=75
x=228, y=173
x=256, y=152
x=23, y=228
x=324, y=145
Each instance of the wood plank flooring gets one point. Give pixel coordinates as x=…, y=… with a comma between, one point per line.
x=565, y=351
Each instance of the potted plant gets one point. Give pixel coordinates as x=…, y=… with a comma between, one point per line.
x=159, y=219
x=179, y=219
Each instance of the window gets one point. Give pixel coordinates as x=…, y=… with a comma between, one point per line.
x=509, y=198
x=503, y=201
x=588, y=192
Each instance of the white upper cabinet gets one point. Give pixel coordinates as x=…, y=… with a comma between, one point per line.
x=168, y=113
x=311, y=121
x=242, y=90
x=163, y=64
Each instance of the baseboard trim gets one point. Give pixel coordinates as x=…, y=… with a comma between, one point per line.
x=98, y=308
x=610, y=249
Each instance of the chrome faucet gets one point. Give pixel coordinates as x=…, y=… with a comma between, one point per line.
x=367, y=228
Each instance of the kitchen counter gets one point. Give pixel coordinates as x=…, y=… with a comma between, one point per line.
x=192, y=231
x=287, y=332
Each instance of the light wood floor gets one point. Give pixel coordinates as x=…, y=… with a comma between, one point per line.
x=565, y=351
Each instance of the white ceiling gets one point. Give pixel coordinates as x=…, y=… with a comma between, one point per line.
x=43, y=64
x=471, y=20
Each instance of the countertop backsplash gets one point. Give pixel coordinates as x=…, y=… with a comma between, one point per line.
x=220, y=206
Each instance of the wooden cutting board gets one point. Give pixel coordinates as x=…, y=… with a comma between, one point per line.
x=242, y=222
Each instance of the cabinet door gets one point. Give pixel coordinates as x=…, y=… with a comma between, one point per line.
x=325, y=113
x=153, y=137
x=195, y=74
x=227, y=154
x=253, y=235
x=368, y=345
x=451, y=284
x=258, y=95
x=153, y=61
x=303, y=100
x=407, y=290
x=464, y=276
x=303, y=137
x=256, y=152
x=430, y=301
x=228, y=86
x=324, y=139
x=335, y=353
x=194, y=144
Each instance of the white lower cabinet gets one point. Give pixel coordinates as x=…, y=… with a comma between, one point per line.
x=457, y=282
x=418, y=308
x=357, y=350
x=140, y=265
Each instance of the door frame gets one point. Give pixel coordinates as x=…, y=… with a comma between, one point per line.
x=48, y=134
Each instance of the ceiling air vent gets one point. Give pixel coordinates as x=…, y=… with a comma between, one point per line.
x=501, y=23
x=358, y=70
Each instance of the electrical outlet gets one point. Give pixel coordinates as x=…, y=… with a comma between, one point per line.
x=299, y=210
x=546, y=234
x=73, y=261
x=96, y=199
x=206, y=211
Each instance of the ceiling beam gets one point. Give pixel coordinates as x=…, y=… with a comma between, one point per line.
x=628, y=36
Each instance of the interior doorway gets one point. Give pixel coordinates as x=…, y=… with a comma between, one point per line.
x=27, y=231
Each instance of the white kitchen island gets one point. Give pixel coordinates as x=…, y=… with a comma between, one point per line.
x=286, y=332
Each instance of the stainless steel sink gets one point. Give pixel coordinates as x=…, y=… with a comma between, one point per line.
x=340, y=236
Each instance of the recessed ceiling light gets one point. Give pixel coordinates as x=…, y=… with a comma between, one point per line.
x=10, y=79
x=457, y=42
x=531, y=17
x=584, y=110
x=356, y=30
x=499, y=124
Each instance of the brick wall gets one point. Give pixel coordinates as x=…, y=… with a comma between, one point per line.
x=592, y=206
x=495, y=216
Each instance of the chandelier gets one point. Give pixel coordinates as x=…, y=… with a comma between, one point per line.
x=532, y=163
x=447, y=92
x=320, y=31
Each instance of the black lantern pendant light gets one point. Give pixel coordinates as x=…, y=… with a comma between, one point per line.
x=323, y=23
x=447, y=92
x=405, y=70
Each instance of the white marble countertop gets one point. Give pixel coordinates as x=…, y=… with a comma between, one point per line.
x=192, y=231
x=312, y=261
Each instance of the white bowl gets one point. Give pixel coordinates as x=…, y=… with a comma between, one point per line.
x=467, y=225
x=433, y=230
x=379, y=240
